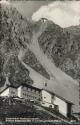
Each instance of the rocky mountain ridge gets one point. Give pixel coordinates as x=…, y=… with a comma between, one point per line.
x=62, y=46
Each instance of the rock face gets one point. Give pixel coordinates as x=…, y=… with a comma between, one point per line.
x=15, y=35
x=62, y=46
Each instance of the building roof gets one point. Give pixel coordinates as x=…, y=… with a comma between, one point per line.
x=58, y=96
x=30, y=86
x=12, y=86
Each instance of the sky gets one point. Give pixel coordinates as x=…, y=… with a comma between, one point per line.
x=28, y=8
x=63, y=13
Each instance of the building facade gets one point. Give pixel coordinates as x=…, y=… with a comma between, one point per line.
x=58, y=103
x=29, y=92
x=10, y=91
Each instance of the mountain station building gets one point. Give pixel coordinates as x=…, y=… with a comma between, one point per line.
x=46, y=98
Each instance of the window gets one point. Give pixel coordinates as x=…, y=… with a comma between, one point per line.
x=12, y=92
x=52, y=96
x=43, y=103
x=24, y=88
x=28, y=89
x=35, y=91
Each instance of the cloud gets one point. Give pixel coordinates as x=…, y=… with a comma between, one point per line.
x=4, y=2
x=64, y=14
